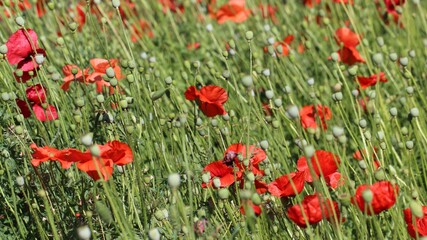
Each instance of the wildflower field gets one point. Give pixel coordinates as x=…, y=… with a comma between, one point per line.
x=213, y=119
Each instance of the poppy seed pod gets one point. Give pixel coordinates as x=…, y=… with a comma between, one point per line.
x=393, y=56
x=393, y=111
x=409, y=145
x=414, y=112
x=174, y=180
x=84, y=232
x=216, y=182
x=247, y=81
x=87, y=139
x=249, y=35
x=3, y=49
x=154, y=234
x=269, y=94
x=293, y=112
x=20, y=21
x=377, y=58
x=95, y=151
x=20, y=181
x=404, y=61
x=367, y=195
x=278, y=102
x=73, y=26
x=416, y=209
x=353, y=70
x=209, y=27
x=5, y=96
x=115, y=3
x=223, y=193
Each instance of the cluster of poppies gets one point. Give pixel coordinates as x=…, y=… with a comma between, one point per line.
x=97, y=164
x=23, y=50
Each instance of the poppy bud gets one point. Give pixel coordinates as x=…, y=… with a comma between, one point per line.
x=39, y=59
x=414, y=194
x=337, y=131
x=380, y=135
x=412, y=53
x=5, y=96
x=20, y=21
x=20, y=181
x=363, y=123
x=416, y=209
x=168, y=80
x=337, y=96
x=123, y=103
x=380, y=174
x=247, y=81
x=51, y=5
x=377, y=58
x=87, y=139
x=362, y=164
x=158, y=94
x=250, y=176
x=414, y=112
x=19, y=118
x=380, y=41
x=266, y=72
x=393, y=111
x=293, y=111
x=404, y=61
x=154, y=234
x=174, y=180
x=41, y=193
x=214, y=123
x=19, y=130
x=335, y=56
x=367, y=196
x=19, y=72
x=353, y=70
x=84, y=232
x=209, y=27
x=383, y=145
x=73, y=26
x=223, y=193
x=367, y=135
x=393, y=56
x=95, y=151
x=245, y=194
x=103, y=212
x=256, y=199
x=226, y=117
x=278, y=102
x=409, y=145
x=3, y=49
x=264, y=144
x=249, y=35
x=216, y=182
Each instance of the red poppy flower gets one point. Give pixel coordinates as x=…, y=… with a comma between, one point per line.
x=324, y=163
x=384, y=197
x=46, y=113
x=334, y=180
x=210, y=99
x=309, y=114
x=256, y=209
x=268, y=11
x=415, y=225
x=349, y=56
x=23, y=5
x=96, y=168
x=256, y=155
x=120, y=153
x=80, y=76
x=346, y=37
x=285, y=45
x=193, y=46
x=234, y=11
x=313, y=208
x=372, y=80
x=220, y=170
x=100, y=67
x=344, y=1
x=22, y=48
x=287, y=185
x=42, y=154
x=36, y=94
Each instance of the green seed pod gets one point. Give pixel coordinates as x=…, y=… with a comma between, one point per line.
x=5, y=96
x=158, y=94
x=245, y=194
x=380, y=174
x=278, y=102
x=353, y=70
x=223, y=193
x=174, y=180
x=414, y=112
x=115, y=3
x=20, y=21
x=362, y=164
x=103, y=212
x=80, y=102
x=377, y=58
x=393, y=57
x=247, y=81
x=3, y=49
x=217, y=182
x=367, y=195
x=87, y=139
x=256, y=199
x=275, y=124
x=214, y=122
x=335, y=57
x=20, y=181
x=95, y=151
x=414, y=194
x=42, y=193
x=416, y=209
x=73, y=26
x=123, y=103
x=250, y=176
x=404, y=61
x=19, y=130
x=130, y=128
x=409, y=145
x=264, y=144
x=84, y=232
x=249, y=35
x=154, y=234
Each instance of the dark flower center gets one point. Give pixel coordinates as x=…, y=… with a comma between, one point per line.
x=229, y=158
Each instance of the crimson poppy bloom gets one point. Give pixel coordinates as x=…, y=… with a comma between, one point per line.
x=384, y=197
x=120, y=153
x=233, y=11
x=416, y=226
x=309, y=114
x=95, y=167
x=287, y=185
x=43, y=154
x=22, y=5
x=268, y=11
x=256, y=155
x=284, y=44
x=314, y=208
x=372, y=80
x=324, y=164
x=363, y=153
x=193, y=46
x=80, y=76
x=139, y=29
x=391, y=9
x=100, y=67
x=22, y=49
x=36, y=94
x=210, y=99
x=346, y=37
x=349, y=56
x=220, y=170
x=44, y=112
x=311, y=3
x=171, y=5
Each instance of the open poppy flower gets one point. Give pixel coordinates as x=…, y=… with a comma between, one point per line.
x=309, y=114
x=100, y=67
x=139, y=29
x=349, y=56
x=22, y=49
x=362, y=155
x=36, y=94
x=346, y=37
x=210, y=99
x=42, y=111
x=372, y=80
x=22, y=5
x=311, y=3
x=313, y=209
x=220, y=170
x=268, y=11
x=80, y=76
x=416, y=226
x=384, y=197
x=324, y=164
x=257, y=155
x=287, y=185
x=171, y=5
x=120, y=153
x=96, y=168
x=43, y=154
x=284, y=45
x=233, y=11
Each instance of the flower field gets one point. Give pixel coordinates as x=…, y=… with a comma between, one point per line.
x=213, y=119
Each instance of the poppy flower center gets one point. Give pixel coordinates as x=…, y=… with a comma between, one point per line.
x=229, y=158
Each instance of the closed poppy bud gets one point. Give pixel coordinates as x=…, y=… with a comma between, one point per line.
x=158, y=94
x=393, y=56
x=249, y=35
x=103, y=212
x=174, y=180
x=20, y=21
x=3, y=49
x=256, y=199
x=51, y=5
x=416, y=209
x=367, y=196
x=84, y=232
x=19, y=130
x=223, y=193
x=247, y=81
x=154, y=234
x=20, y=181
x=95, y=151
x=216, y=182
x=87, y=139
x=73, y=26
